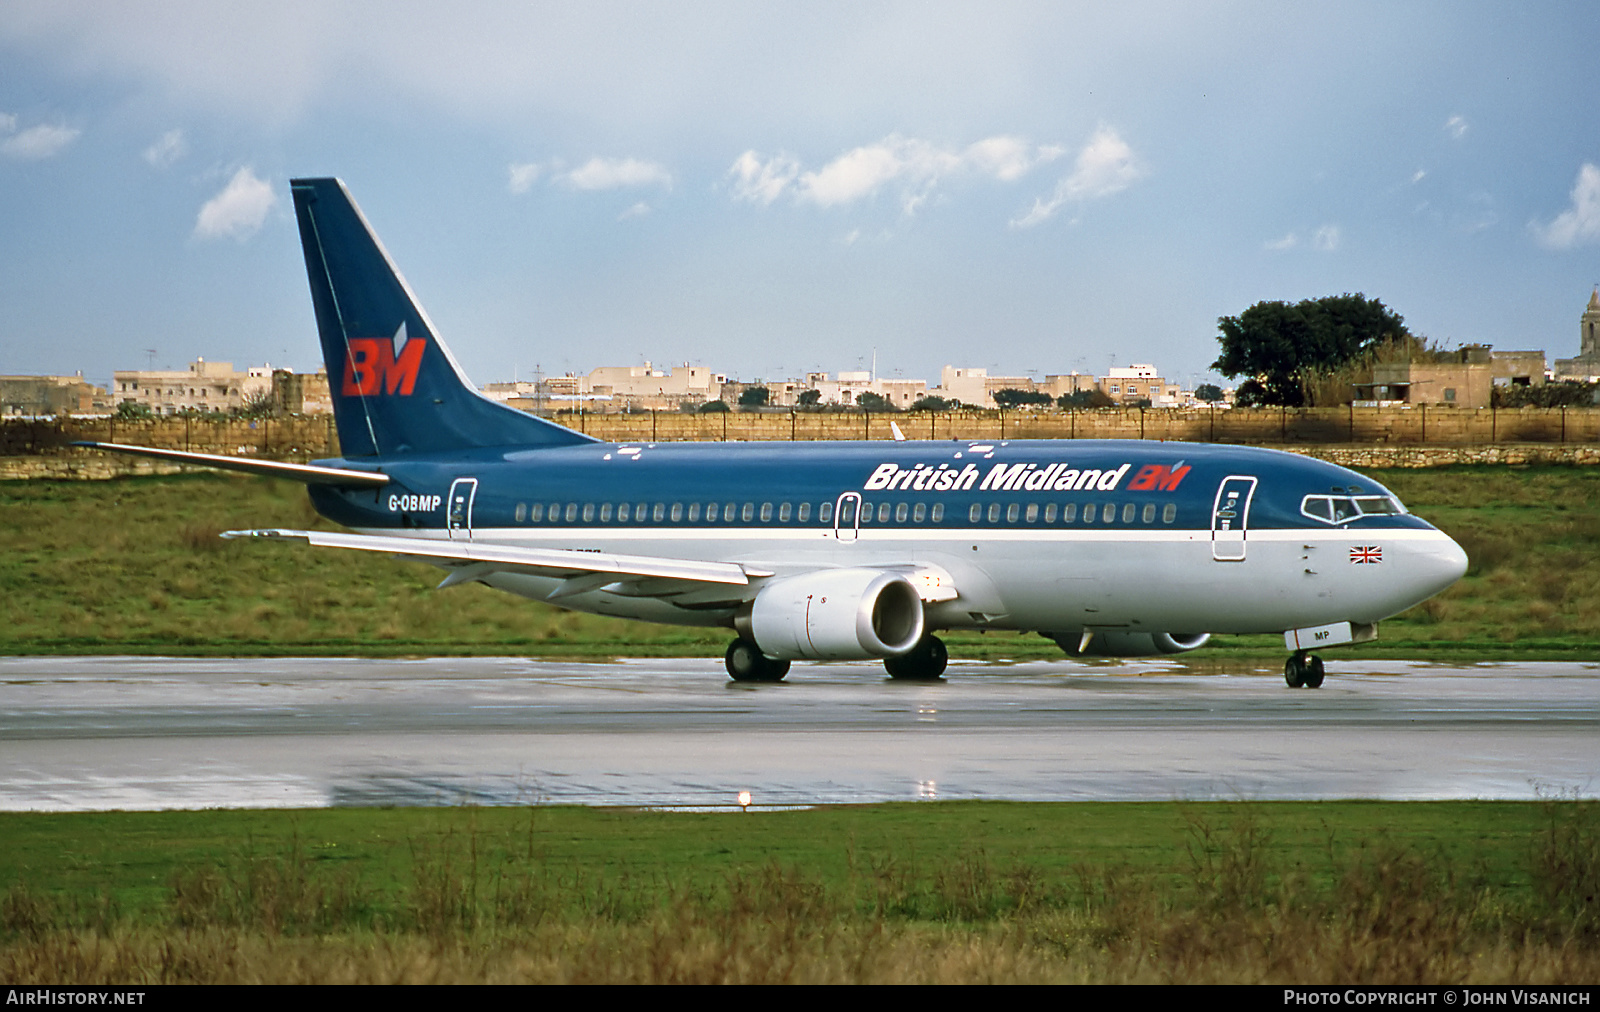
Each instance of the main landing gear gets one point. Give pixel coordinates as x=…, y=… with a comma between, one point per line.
x=746, y=663
x=925, y=663
x=1303, y=669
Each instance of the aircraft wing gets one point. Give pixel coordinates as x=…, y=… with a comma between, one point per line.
x=307, y=473
x=581, y=571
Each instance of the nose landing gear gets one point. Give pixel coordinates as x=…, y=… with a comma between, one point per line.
x=1303, y=670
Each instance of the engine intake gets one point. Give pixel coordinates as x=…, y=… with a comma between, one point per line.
x=837, y=614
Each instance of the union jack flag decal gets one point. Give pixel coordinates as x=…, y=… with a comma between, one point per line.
x=1366, y=553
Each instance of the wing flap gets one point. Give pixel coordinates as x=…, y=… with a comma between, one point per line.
x=555, y=562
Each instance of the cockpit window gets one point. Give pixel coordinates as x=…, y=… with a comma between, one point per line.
x=1338, y=509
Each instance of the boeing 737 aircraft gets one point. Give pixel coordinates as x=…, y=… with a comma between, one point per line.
x=837, y=550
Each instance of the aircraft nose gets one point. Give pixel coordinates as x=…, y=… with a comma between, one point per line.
x=1437, y=563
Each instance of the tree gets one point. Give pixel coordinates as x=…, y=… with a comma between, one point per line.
x=132, y=411
x=933, y=403
x=809, y=398
x=869, y=401
x=1085, y=399
x=753, y=397
x=1282, y=347
x=713, y=407
x=1010, y=397
x=1209, y=392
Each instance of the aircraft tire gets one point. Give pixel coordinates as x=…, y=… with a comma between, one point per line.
x=1294, y=671
x=746, y=663
x=1314, y=673
x=925, y=663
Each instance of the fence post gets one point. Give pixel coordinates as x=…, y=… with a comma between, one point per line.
x=1424, y=409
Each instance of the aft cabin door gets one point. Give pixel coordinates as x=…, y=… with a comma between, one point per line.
x=458, y=516
x=1230, y=518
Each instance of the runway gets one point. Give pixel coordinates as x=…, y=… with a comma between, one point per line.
x=155, y=733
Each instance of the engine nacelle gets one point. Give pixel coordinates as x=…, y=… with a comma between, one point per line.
x=836, y=614
x=1121, y=643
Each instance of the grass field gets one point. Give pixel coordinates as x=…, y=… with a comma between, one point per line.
x=958, y=892
x=134, y=566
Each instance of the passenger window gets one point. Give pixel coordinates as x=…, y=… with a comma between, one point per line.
x=1050, y=513
x=694, y=512
x=1169, y=512
x=1127, y=513
x=522, y=511
x=536, y=513
x=588, y=512
x=1088, y=513
x=975, y=513
x=1069, y=513
x=883, y=513
x=748, y=513
x=866, y=513
x=640, y=511
x=711, y=513
x=919, y=513
x=677, y=512
x=784, y=512
x=1149, y=514
x=766, y=512
x=805, y=512
x=659, y=513
x=1032, y=515
x=555, y=512
x=994, y=513
x=572, y=512
x=1012, y=512
x=1109, y=513
x=825, y=513
x=938, y=512
x=900, y=512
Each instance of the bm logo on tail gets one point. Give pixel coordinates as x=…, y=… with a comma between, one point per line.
x=376, y=365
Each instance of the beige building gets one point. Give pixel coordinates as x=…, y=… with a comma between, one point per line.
x=975, y=388
x=1141, y=382
x=51, y=395
x=1586, y=366
x=204, y=386
x=299, y=393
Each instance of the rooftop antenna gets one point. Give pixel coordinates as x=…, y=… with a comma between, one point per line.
x=150, y=355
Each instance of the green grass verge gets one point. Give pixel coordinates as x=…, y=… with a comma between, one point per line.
x=1342, y=892
x=134, y=566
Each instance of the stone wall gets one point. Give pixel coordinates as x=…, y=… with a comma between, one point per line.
x=1359, y=437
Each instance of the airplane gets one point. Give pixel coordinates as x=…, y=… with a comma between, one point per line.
x=829, y=550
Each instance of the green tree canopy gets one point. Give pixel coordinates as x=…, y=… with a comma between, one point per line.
x=753, y=397
x=1208, y=392
x=933, y=402
x=869, y=401
x=1089, y=398
x=809, y=398
x=1010, y=397
x=1278, y=346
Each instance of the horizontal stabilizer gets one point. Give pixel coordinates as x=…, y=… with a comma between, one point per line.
x=307, y=473
x=553, y=562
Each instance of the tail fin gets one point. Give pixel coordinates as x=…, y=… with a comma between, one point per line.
x=395, y=386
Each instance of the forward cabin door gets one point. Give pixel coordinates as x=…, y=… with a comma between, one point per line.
x=1230, y=518
x=847, y=516
x=458, y=512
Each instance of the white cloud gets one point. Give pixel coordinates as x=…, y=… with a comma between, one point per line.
x=1456, y=127
x=917, y=166
x=1579, y=223
x=238, y=210
x=523, y=175
x=39, y=142
x=1283, y=245
x=1326, y=238
x=762, y=182
x=638, y=210
x=617, y=173
x=167, y=149
x=1418, y=176
x=8, y=122
x=1105, y=166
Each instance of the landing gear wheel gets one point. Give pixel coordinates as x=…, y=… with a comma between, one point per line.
x=925, y=663
x=1294, y=670
x=1314, y=673
x=1303, y=670
x=746, y=663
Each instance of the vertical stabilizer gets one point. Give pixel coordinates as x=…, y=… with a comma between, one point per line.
x=395, y=386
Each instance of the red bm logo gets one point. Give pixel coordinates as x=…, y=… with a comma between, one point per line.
x=373, y=367
x=1157, y=478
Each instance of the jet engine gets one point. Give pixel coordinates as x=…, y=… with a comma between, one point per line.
x=1122, y=643
x=836, y=614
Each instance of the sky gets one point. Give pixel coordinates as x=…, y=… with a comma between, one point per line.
x=771, y=189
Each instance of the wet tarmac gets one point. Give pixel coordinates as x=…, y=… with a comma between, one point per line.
x=153, y=733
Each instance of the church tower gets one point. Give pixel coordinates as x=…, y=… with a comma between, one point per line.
x=1589, y=335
